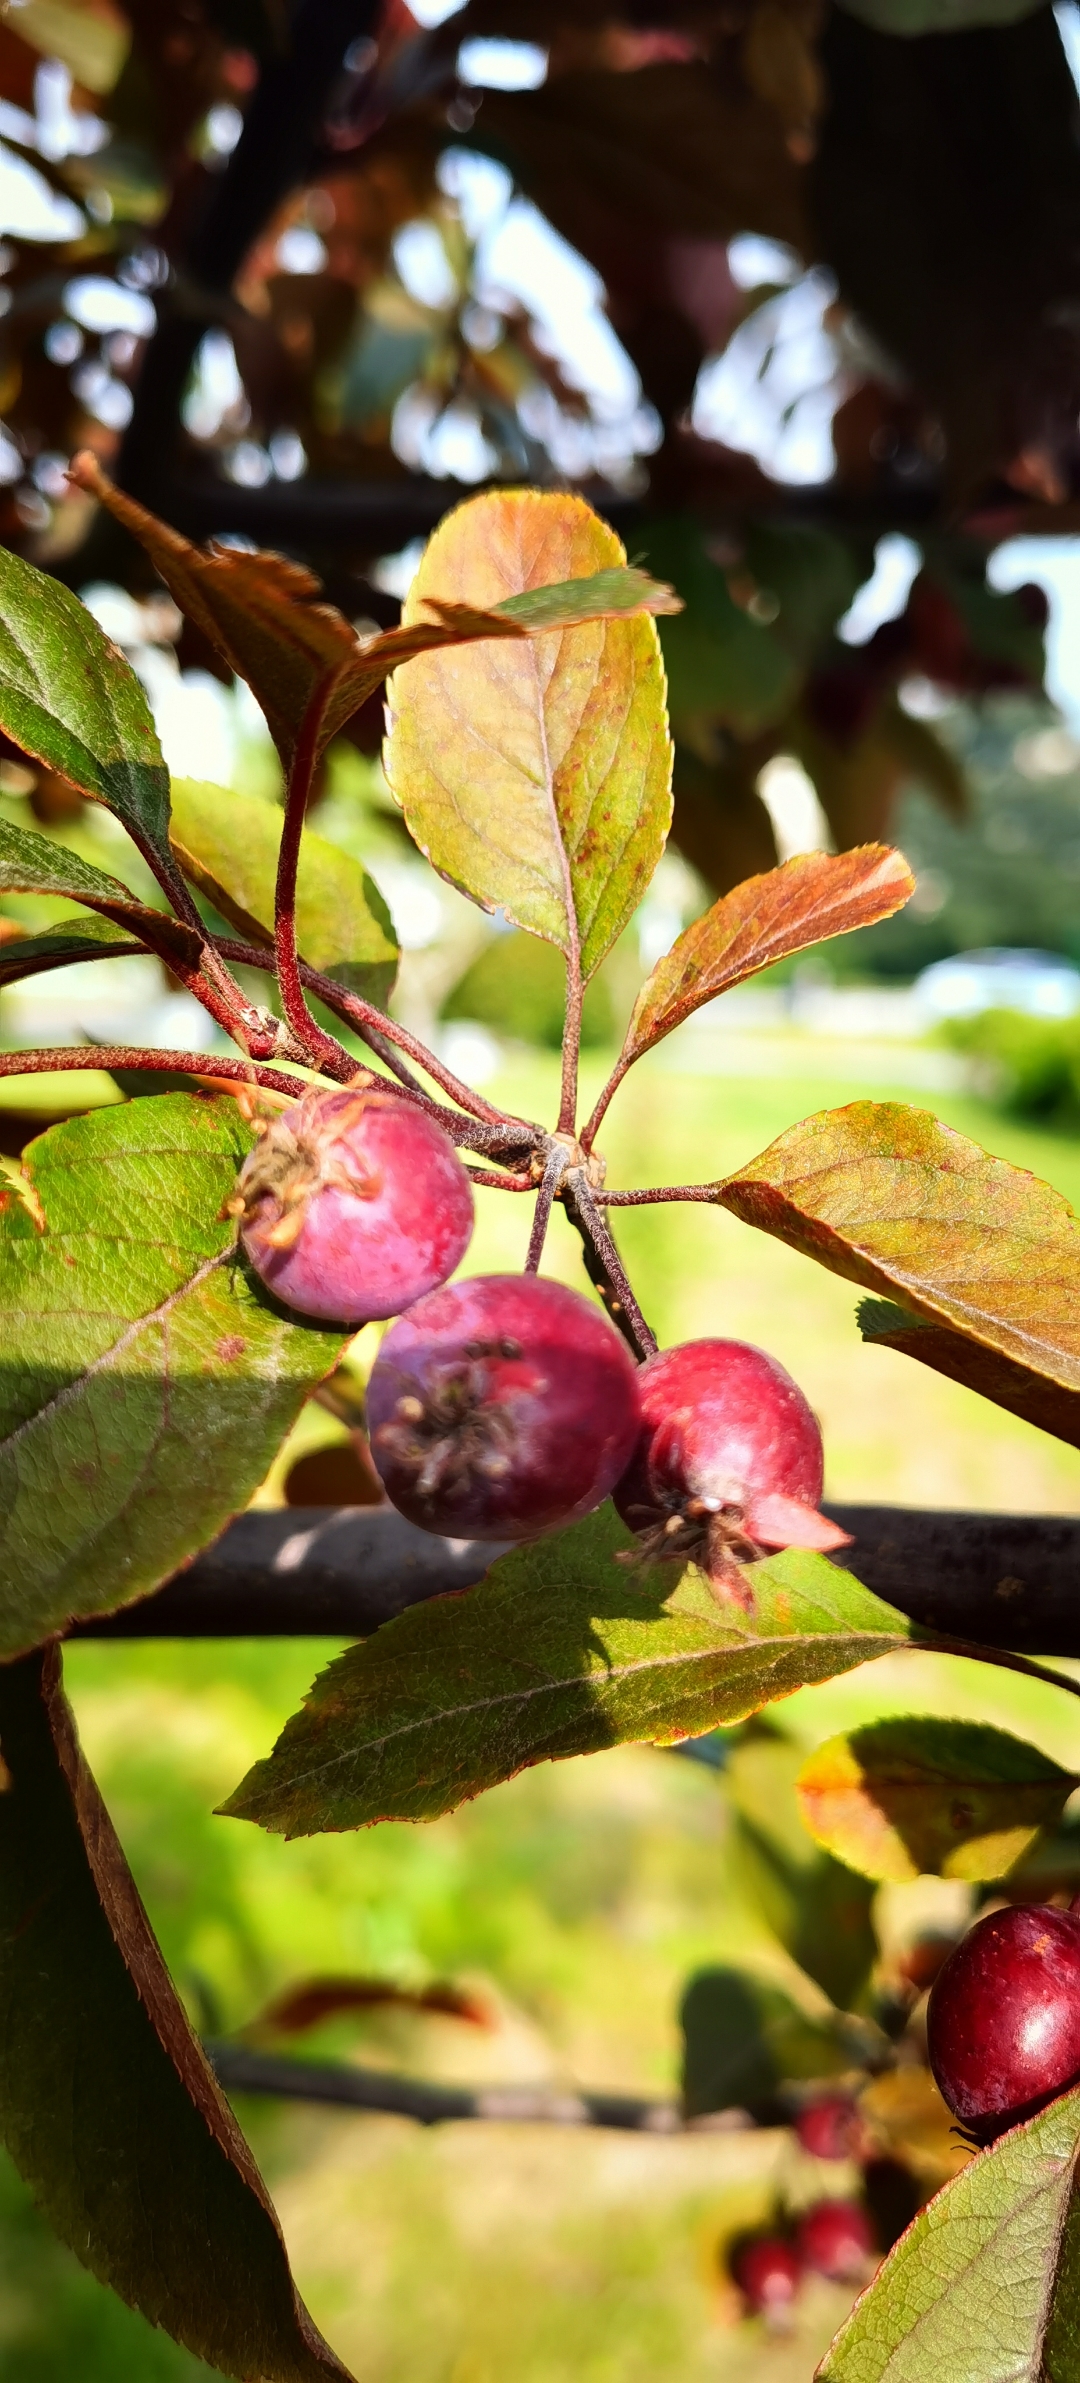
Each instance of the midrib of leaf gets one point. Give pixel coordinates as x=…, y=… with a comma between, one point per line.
x=573, y=931
x=589, y=1682
x=107, y=1357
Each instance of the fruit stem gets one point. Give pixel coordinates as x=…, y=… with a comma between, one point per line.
x=554, y=1170
x=206, y=1065
x=322, y=1049
x=589, y=1132
x=660, y=1191
x=604, y=1266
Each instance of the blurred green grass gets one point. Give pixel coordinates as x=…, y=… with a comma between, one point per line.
x=580, y=1894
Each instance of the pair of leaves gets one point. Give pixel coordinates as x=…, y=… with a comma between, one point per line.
x=107, y=2105
x=32, y=864
x=902, y=1798
x=985, y=2284
x=146, y=1378
x=561, y=1650
x=982, y=1253
x=227, y=845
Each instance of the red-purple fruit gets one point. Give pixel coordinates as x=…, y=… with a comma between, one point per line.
x=729, y=1461
x=830, y=2128
x=767, y=2271
x=501, y=1407
x=835, y=2239
x=352, y=1205
x=1003, y=2020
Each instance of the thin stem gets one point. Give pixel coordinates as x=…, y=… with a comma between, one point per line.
x=212, y=984
x=1002, y=1660
x=241, y=2069
x=604, y=1266
x=323, y=1048
x=515, y=1183
x=571, y=1048
x=590, y=1131
x=205, y=1064
x=554, y=1170
x=664, y=1191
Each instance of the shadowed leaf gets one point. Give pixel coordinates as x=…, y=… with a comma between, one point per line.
x=744, y=2036
x=819, y=1910
x=69, y=698
x=109, y=2109
x=984, y=2284
x=227, y=844
x=559, y=1651
x=146, y=1380
x=891, y=1199
x=1008, y=1383
x=538, y=779
x=817, y=895
x=31, y=864
x=70, y=940
x=901, y=1798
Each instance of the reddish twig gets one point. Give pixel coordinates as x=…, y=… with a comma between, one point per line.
x=515, y=1183
x=205, y=1064
x=589, y=1132
x=665, y=1191
x=575, y=995
x=324, y=1050
x=604, y=1266
x=554, y=1170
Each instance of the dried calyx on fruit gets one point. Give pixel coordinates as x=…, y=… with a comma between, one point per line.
x=1003, y=2020
x=501, y=1408
x=353, y=1204
x=729, y=1461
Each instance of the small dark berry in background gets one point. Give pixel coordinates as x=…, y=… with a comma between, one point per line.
x=830, y=2129
x=1003, y=2020
x=768, y=2274
x=836, y=2239
x=502, y=1407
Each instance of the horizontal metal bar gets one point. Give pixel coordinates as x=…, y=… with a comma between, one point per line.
x=1008, y=1580
x=242, y=2071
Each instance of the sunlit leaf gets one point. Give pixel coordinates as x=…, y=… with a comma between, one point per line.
x=891, y=1199
x=817, y=895
x=819, y=1910
x=31, y=864
x=227, y=844
x=265, y=617
x=902, y=1797
x=1005, y=1380
x=146, y=1380
x=911, y=2123
x=560, y=1650
x=538, y=779
x=69, y=698
x=984, y=2284
x=107, y=2105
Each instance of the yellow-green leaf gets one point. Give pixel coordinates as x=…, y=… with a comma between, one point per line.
x=227, y=844
x=955, y=1798
x=537, y=778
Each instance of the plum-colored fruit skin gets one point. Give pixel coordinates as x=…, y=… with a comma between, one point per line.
x=830, y=2128
x=358, y=1258
x=835, y=2238
x=768, y=2273
x=720, y=1420
x=1003, y=2020
x=525, y=1391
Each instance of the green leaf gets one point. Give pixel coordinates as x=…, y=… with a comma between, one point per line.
x=820, y=1911
x=536, y=778
x=146, y=1379
x=71, y=939
x=31, y=864
x=985, y=2285
x=107, y=2105
x=984, y=1252
x=817, y=895
x=227, y=844
x=69, y=698
x=612, y=595
x=560, y=1650
x=900, y=1798
x=743, y=2036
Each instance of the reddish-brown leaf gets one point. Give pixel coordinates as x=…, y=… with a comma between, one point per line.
x=891, y=1199
x=805, y=901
